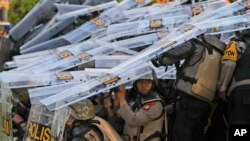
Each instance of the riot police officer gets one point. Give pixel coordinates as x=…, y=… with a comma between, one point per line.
x=234, y=84
x=84, y=125
x=196, y=84
x=143, y=114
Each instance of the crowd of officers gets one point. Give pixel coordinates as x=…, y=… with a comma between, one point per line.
x=211, y=92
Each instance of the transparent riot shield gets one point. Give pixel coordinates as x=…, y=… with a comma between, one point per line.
x=39, y=124
x=59, y=122
x=185, y=32
x=6, y=133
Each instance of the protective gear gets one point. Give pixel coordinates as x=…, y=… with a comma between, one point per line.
x=143, y=117
x=83, y=110
x=202, y=69
x=151, y=76
x=108, y=131
x=98, y=128
x=85, y=128
x=95, y=2
x=208, y=71
x=141, y=100
x=6, y=129
x=196, y=84
x=148, y=77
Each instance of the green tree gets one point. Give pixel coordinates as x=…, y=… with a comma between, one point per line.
x=19, y=8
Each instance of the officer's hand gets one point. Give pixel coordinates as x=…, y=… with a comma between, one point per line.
x=121, y=95
x=18, y=120
x=107, y=100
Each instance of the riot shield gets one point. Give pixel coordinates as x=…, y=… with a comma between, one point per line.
x=39, y=124
x=6, y=133
x=59, y=122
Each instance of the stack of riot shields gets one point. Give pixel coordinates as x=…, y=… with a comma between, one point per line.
x=73, y=51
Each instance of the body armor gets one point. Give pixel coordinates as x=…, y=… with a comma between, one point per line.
x=145, y=131
x=102, y=128
x=202, y=69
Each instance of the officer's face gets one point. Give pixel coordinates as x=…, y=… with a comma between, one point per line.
x=144, y=85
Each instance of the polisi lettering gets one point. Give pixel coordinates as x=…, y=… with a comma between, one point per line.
x=40, y=132
x=240, y=132
x=6, y=127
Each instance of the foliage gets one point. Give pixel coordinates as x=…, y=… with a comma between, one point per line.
x=19, y=8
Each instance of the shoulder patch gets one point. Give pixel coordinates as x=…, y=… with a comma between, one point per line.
x=148, y=105
x=231, y=52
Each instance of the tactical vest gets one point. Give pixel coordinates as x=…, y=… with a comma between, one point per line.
x=242, y=70
x=139, y=102
x=107, y=131
x=200, y=72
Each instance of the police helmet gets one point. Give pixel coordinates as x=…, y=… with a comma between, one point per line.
x=147, y=77
x=150, y=76
x=83, y=110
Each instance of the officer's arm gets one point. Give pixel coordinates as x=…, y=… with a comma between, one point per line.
x=149, y=112
x=231, y=55
x=178, y=53
x=227, y=70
